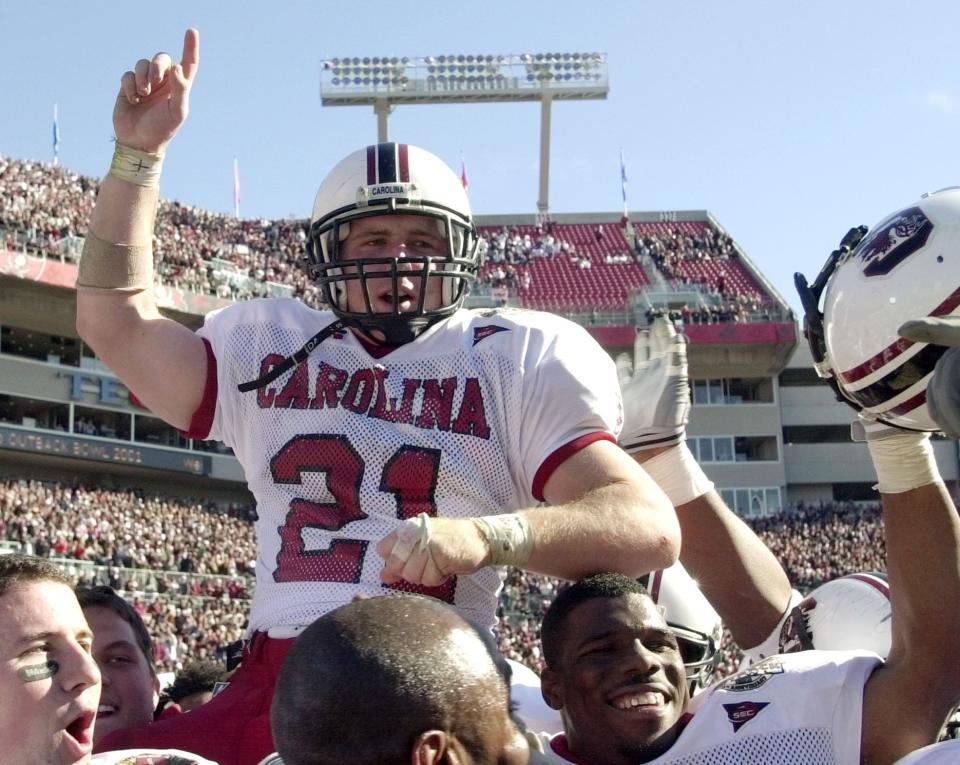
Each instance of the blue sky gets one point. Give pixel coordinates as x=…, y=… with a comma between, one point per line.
x=790, y=121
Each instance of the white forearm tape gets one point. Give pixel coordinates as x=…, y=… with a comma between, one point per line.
x=678, y=474
x=903, y=462
x=509, y=537
x=141, y=168
x=109, y=266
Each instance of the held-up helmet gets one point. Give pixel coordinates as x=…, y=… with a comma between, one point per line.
x=906, y=267
x=392, y=179
x=687, y=612
x=851, y=612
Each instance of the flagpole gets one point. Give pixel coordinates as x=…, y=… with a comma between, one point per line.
x=623, y=184
x=236, y=188
x=56, y=136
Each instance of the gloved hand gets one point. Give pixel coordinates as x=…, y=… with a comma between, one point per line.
x=943, y=390
x=943, y=330
x=655, y=389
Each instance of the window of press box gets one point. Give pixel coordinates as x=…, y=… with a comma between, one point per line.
x=105, y=423
x=40, y=346
x=34, y=413
x=733, y=391
x=151, y=430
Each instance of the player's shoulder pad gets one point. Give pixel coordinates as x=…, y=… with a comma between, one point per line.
x=522, y=320
x=278, y=310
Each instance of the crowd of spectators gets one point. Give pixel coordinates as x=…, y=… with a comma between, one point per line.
x=127, y=529
x=44, y=209
x=187, y=565
x=670, y=249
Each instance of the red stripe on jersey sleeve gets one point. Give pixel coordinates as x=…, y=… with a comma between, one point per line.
x=202, y=419
x=561, y=455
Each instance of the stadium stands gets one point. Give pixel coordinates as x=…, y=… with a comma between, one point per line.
x=565, y=267
x=189, y=572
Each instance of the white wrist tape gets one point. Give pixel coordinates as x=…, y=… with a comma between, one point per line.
x=141, y=168
x=678, y=474
x=509, y=536
x=903, y=462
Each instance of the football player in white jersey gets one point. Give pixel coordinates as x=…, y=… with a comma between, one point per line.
x=615, y=671
x=396, y=441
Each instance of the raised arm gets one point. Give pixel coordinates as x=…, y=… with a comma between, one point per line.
x=163, y=362
x=908, y=698
x=736, y=571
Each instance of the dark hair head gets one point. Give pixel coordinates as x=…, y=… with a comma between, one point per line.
x=605, y=585
x=16, y=569
x=195, y=677
x=364, y=681
x=101, y=596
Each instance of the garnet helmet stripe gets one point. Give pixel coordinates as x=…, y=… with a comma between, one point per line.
x=876, y=580
x=900, y=345
x=371, y=165
x=907, y=373
x=404, y=163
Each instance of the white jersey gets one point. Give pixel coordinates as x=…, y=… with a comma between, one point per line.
x=944, y=753
x=796, y=709
x=469, y=419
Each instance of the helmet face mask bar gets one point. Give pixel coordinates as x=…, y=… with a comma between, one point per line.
x=691, y=618
x=385, y=180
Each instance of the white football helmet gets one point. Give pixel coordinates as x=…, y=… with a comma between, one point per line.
x=392, y=179
x=697, y=626
x=848, y=613
x=906, y=267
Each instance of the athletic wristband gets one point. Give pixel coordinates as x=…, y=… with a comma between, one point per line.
x=109, y=266
x=903, y=462
x=509, y=538
x=678, y=474
x=141, y=168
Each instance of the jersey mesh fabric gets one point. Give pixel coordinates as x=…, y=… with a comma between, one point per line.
x=797, y=709
x=340, y=450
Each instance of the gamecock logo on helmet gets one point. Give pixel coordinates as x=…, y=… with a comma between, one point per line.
x=893, y=241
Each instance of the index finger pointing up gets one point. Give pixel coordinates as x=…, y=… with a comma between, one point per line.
x=191, y=53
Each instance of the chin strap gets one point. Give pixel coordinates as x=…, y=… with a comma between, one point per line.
x=292, y=361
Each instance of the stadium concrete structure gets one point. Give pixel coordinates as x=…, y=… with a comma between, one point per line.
x=766, y=430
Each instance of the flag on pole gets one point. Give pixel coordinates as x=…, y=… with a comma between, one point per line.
x=623, y=182
x=236, y=188
x=463, y=173
x=56, y=136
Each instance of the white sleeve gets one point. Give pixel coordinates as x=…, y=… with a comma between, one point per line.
x=570, y=393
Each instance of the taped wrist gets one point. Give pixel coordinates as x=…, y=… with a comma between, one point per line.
x=109, y=266
x=903, y=462
x=509, y=538
x=141, y=168
x=678, y=474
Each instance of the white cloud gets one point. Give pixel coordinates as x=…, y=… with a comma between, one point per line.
x=943, y=101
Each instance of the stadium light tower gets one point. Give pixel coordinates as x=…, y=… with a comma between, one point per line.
x=385, y=82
